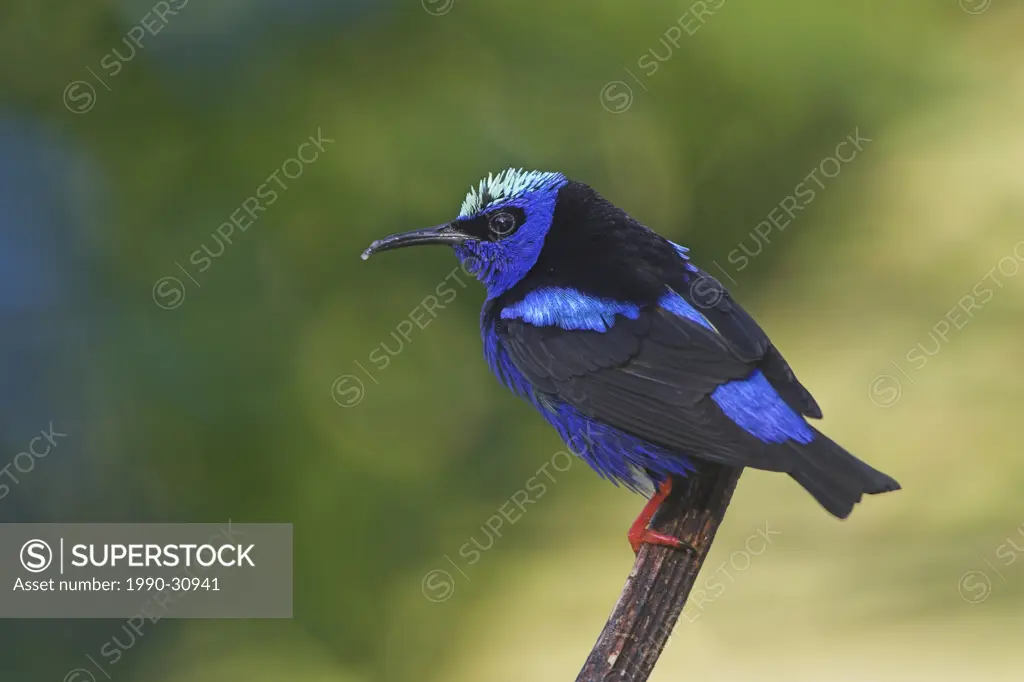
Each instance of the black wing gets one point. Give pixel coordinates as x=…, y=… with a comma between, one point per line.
x=748, y=340
x=652, y=377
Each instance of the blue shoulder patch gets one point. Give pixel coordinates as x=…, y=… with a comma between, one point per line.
x=569, y=309
x=677, y=305
x=755, y=406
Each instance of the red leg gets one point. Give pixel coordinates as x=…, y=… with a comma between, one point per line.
x=640, y=534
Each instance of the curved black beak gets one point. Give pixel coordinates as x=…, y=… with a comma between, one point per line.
x=439, y=234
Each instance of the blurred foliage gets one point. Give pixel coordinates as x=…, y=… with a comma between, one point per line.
x=224, y=406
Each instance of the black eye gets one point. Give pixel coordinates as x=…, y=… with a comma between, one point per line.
x=501, y=224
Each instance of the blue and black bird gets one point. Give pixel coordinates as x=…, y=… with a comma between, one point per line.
x=641, y=360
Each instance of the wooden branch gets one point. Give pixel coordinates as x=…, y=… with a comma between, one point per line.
x=660, y=582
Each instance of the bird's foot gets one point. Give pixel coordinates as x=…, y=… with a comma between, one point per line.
x=653, y=537
x=640, y=534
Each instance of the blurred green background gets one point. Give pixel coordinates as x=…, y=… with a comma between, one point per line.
x=268, y=378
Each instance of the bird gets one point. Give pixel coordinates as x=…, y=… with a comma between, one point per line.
x=641, y=360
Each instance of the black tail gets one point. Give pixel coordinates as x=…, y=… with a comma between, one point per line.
x=836, y=478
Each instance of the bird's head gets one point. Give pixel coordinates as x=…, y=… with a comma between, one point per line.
x=500, y=231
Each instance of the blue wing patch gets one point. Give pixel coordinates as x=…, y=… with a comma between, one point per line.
x=677, y=305
x=569, y=309
x=755, y=406
x=751, y=403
